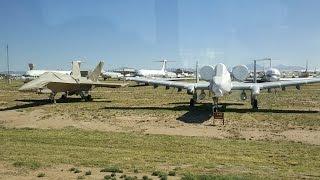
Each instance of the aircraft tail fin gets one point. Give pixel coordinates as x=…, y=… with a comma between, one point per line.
x=75, y=73
x=164, y=65
x=31, y=66
x=94, y=75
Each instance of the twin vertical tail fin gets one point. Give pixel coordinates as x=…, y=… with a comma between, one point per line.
x=94, y=75
x=75, y=73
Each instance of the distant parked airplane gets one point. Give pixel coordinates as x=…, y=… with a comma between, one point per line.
x=32, y=73
x=157, y=73
x=218, y=82
x=109, y=74
x=54, y=82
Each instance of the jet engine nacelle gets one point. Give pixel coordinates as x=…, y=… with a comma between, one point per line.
x=240, y=72
x=207, y=73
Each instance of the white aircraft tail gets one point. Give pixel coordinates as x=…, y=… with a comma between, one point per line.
x=164, y=65
x=31, y=66
x=94, y=75
x=75, y=73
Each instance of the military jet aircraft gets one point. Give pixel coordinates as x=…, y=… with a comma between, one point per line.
x=219, y=82
x=55, y=82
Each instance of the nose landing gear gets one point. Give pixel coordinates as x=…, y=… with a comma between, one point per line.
x=52, y=97
x=254, y=102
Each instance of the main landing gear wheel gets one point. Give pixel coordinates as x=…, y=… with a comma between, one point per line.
x=63, y=97
x=255, y=104
x=192, y=103
x=214, y=109
x=52, y=98
x=88, y=98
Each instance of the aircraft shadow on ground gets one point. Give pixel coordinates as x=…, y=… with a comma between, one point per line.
x=198, y=114
x=246, y=110
x=290, y=111
x=138, y=85
x=203, y=112
x=41, y=102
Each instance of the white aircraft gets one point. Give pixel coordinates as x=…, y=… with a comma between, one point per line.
x=270, y=75
x=33, y=73
x=157, y=73
x=218, y=82
x=109, y=74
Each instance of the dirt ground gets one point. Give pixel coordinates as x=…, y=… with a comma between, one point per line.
x=152, y=125
x=287, y=116
x=61, y=172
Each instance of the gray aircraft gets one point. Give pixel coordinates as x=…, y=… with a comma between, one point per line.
x=55, y=82
x=219, y=83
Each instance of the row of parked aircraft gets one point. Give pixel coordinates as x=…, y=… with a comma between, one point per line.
x=217, y=80
x=161, y=73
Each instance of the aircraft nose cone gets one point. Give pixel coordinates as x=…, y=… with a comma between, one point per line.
x=22, y=88
x=25, y=87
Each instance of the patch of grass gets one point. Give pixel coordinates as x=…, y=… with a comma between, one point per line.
x=29, y=164
x=136, y=171
x=87, y=173
x=113, y=169
x=77, y=171
x=92, y=148
x=107, y=177
x=145, y=178
x=172, y=173
x=123, y=176
x=72, y=169
x=80, y=177
x=163, y=177
x=131, y=178
x=190, y=176
x=41, y=175
x=113, y=174
x=159, y=174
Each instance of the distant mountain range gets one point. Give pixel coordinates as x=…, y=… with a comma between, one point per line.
x=13, y=72
x=281, y=67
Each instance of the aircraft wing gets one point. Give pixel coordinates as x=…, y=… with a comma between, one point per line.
x=59, y=79
x=276, y=84
x=109, y=85
x=167, y=83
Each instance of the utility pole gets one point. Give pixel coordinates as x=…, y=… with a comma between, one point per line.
x=255, y=67
x=255, y=71
x=8, y=66
x=197, y=73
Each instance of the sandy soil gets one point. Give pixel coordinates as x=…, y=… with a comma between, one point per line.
x=152, y=125
x=62, y=172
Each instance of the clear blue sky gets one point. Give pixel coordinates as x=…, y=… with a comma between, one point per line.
x=51, y=33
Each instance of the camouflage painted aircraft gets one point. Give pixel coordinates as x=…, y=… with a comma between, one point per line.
x=55, y=82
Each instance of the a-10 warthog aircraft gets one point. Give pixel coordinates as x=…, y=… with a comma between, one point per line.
x=218, y=81
x=54, y=82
